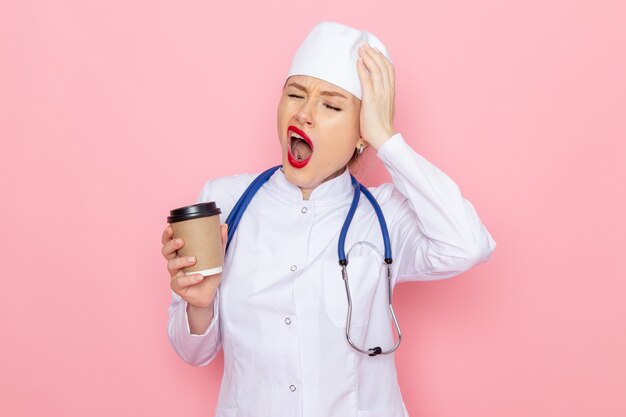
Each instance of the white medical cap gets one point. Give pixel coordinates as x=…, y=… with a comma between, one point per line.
x=330, y=51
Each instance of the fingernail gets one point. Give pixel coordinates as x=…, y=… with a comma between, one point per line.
x=179, y=241
x=198, y=277
x=191, y=258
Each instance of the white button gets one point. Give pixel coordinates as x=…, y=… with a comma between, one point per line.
x=287, y=320
x=292, y=388
x=303, y=210
x=293, y=267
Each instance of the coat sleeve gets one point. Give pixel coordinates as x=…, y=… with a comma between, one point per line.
x=195, y=349
x=436, y=233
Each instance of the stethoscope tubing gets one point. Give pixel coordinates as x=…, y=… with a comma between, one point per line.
x=240, y=207
x=242, y=204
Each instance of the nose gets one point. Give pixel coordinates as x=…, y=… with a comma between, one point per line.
x=305, y=113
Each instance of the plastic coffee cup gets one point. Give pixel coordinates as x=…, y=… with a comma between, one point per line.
x=199, y=227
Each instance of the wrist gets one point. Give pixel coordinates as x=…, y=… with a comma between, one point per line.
x=193, y=309
x=380, y=139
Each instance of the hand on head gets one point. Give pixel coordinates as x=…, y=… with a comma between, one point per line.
x=377, y=76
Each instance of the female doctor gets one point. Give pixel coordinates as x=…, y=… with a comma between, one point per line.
x=279, y=308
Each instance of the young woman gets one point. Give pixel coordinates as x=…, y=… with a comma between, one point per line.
x=279, y=309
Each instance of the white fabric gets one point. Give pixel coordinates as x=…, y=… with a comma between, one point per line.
x=281, y=307
x=330, y=51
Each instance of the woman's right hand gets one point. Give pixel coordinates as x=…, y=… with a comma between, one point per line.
x=197, y=290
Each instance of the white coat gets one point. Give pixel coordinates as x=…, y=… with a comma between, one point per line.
x=281, y=307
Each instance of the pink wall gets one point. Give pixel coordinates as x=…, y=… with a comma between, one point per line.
x=112, y=113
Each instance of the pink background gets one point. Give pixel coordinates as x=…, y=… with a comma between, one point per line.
x=112, y=113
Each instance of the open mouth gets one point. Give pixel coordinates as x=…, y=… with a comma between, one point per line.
x=300, y=147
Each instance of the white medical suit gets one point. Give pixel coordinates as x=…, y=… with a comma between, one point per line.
x=280, y=312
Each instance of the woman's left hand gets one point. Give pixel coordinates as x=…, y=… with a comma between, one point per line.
x=377, y=77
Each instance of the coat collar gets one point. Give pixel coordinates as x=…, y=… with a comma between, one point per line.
x=333, y=191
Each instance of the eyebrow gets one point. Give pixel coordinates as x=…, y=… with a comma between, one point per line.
x=323, y=93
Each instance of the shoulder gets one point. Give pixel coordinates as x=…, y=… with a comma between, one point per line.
x=386, y=194
x=392, y=202
x=225, y=191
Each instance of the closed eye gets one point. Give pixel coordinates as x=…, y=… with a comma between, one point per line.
x=333, y=108
x=295, y=96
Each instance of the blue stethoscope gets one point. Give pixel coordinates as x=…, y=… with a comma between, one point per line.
x=235, y=216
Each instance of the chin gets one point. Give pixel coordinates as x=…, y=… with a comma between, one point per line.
x=310, y=175
x=297, y=176
x=303, y=179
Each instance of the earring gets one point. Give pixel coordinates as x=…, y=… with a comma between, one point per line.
x=361, y=149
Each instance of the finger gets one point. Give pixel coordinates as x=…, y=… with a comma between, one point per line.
x=170, y=248
x=391, y=81
x=372, y=66
x=167, y=234
x=224, y=229
x=388, y=76
x=392, y=78
x=392, y=72
x=176, y=264
x=184, y=281
x=381, y=60
x=366, y=81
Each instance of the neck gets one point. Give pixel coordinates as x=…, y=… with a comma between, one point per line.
x=306, y=192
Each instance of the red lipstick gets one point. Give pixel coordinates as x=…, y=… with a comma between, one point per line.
x=297, y=163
